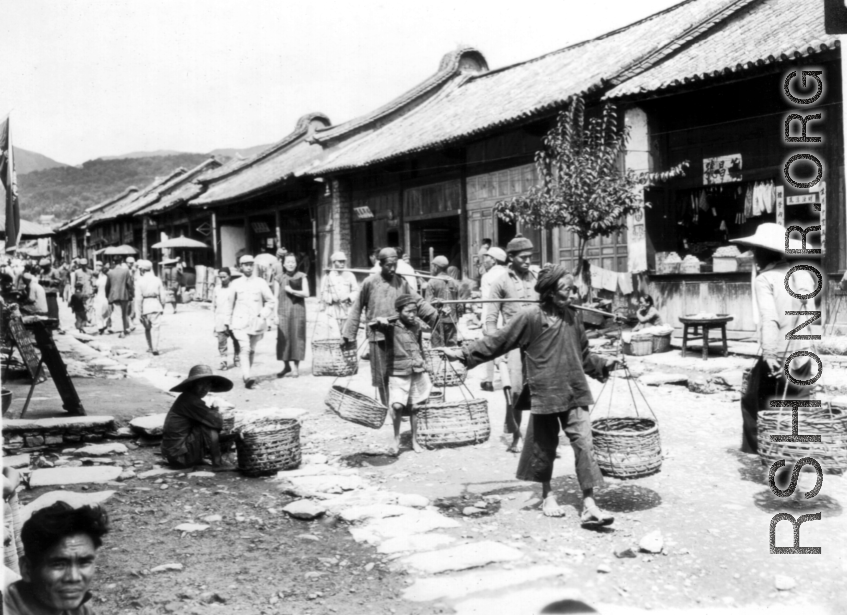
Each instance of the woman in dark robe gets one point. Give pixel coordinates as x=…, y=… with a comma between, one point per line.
x=291, y=337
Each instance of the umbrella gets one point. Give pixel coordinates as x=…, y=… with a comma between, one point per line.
x=180, y=242
x=123, y=250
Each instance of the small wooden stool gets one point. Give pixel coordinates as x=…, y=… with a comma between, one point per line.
x=692, y=330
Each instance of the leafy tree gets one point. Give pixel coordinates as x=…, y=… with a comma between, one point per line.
x=584, y=187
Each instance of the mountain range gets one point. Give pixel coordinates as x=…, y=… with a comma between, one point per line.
x=46, y=186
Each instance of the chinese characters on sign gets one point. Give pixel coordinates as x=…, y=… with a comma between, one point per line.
x=722, y=169
x=363, y=213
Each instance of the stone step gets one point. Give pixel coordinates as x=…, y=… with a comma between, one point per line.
x=73, y=424
x=73, y=476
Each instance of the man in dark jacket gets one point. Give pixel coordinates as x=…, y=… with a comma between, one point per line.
x=379, y=291
x=119, y=290
x=557, y=359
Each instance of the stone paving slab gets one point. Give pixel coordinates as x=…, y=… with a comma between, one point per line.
x=415, y=543
x=70, y=423
x=73, y=476
x=418, y=522
x=16, y=461
x=462, y=585
x=531, y=601
x=462, y=557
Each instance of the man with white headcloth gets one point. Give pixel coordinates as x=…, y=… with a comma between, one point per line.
x=339, y=289
x=494, y=263
x=251, y=304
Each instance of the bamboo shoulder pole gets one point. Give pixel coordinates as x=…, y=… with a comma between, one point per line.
x=368, y=271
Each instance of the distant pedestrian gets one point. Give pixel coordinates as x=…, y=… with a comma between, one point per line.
x=221, y=301
x=100, y=306
x=252, y=303
x=119, y=290
x=83, y=275
x=35, y=303
x=77, y=305
x=444, y=287
x=152, y=294
x=131, y=306
x=291, y=333
x=339, y=289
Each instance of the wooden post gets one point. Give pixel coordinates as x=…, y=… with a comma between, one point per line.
x=278, y=218
x=216, y=241
x=144, y=222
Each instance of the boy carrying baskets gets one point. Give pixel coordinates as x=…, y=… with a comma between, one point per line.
x=408, y=382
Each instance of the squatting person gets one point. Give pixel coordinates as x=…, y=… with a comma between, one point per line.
x=60, y=548
x=557, y=359
x=192, y=428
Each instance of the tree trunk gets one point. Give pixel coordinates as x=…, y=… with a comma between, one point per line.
x=581, y=265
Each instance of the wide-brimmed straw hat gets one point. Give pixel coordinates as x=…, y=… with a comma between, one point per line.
x=770, y=236
x=204, y=372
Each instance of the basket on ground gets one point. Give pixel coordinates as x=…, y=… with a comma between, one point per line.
x=442, y=372
x=453, y=423
x=355, y=407
x=639, y=345
x=627, y=447
x=329, y=358
x=828, y=421
x=270, y=448
x=662, y=343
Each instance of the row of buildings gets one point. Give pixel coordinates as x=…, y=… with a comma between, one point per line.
x=700, y=82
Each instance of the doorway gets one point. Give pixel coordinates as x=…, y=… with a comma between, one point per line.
x=435, y=237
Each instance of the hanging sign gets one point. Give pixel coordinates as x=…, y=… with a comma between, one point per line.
x=363, y=213
x=780, y=205
x=803, y=199
x=204, y=229
x=722, y=169
x=260, y=227
x=822, y=193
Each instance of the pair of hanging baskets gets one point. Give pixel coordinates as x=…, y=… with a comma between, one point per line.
x=269, y=448
x=453, y=423
x=330, y=358
x=828, y=421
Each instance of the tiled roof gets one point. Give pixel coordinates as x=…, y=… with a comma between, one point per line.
x=478, y=103
x=111, y=200
x=72, y=224
x=128, y=206
x=176, y=191
x=259, y=175
x=766, y=32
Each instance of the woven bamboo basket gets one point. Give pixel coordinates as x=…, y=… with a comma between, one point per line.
x=639, y=346
x=356, y=407
x=444, y=373
x=627, y=447
x=829, y=422
x=662, y=343
x=329, y=358
x=268, y=449
x=453, y=423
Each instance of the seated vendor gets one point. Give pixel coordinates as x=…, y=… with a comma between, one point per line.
x=35, y=303
x=647, y=314
x=192, y=428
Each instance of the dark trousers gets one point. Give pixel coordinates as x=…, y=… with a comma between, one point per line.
x=758, y=388
x=542, y=440
x=122, y=305
x=379, y=368
x=198, y=443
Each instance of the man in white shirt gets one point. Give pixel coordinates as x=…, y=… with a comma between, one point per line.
x=221, y=309
x=151, y=303
x=251, y=304
x=494, y=263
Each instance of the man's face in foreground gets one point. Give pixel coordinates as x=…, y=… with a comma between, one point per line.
x=62, y=577
x=521, y=261
x=388, y=266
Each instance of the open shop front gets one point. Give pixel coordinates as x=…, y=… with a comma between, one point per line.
x=732, y=136
x=432, y=219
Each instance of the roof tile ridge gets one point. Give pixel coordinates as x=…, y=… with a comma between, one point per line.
x=436, y=79
x=572, y=46
x=111, y=201
x=652, y=58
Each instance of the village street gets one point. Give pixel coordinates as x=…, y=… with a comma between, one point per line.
x=444, y=531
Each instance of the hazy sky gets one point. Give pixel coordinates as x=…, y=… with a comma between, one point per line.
x=98, y=78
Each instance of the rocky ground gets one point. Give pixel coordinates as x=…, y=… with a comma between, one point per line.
x=355, y=530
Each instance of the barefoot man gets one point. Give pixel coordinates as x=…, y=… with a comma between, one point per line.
x=557, y=359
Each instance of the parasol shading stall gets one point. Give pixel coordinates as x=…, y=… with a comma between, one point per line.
x=183, y=243
x=123, y=250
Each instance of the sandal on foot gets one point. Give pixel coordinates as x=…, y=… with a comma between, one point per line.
x=592, y=516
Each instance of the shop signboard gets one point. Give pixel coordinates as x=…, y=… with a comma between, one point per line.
x=780, y=205
x=363, y=213
x=722, y=169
